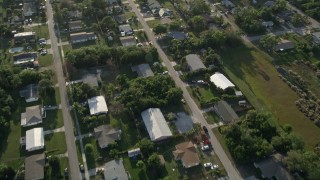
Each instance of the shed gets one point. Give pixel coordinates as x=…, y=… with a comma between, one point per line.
x=225, y=112
x=221, y=81
x=194, y=62
x=156, y=125
x=97, y=105
x=34, y=139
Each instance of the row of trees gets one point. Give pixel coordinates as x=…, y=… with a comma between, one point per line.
x=310, y=7
x=254, y=138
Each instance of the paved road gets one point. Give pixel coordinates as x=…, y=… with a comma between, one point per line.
x=196, y=112
x=313, y=22
x=68, y=123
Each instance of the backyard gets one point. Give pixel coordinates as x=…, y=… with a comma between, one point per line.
x=253, y=73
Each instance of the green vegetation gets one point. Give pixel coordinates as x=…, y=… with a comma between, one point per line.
x=53, y=119
x=252, y=72
x=55, y=143
x=46, y=60
x=211, y=117
x=153, y=23
x=309, y=7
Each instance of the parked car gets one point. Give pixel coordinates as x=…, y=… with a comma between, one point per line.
x=215, y=166
x=81, y=167
x=66, y=173
x=205, y=147
x=207, y=165
x=205, y=129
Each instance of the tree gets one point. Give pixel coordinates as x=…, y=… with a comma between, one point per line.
x=171, y=116
x=6, y=172
x=198, y=23
x=108, y=23
x=88, y=148
x=45, y=88
x=114, y=153
x=154, y=160
x=175, y=26
x=298, y=20
x=160, y=29
x=140, y=164
x=268, y=41
x=146, y=146
x=199, y=7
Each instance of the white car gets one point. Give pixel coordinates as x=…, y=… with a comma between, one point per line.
x=206, y=165
x=215, y=166
x=205, y=147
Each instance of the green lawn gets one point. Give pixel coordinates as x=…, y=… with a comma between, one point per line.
x=223, y=143
x=199, y=93
x=97, y=152
x=211, y=117
x=66, y=48
x=252, y=72
x=55, y=143
x=46, y=60
x=57, y=172
x=153, y=23
x=41, y=31
x=53, y=119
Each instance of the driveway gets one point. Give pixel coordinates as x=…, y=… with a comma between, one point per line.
x=196, y=112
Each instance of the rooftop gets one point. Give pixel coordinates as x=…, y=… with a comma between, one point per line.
x=24, y=34
x=114, y=170
x=30, y=93
x=91, y=79
x=187, y=153
x=75, y=24
x=221, y=81
x=106, y=135
x=194, y=62
x=143, y=70
x=34, y=166
x=33, y=115
x=97, y=105
x=177, y=35
x=34, y=139
x=128, y=41
x=284, y=45
x=225, y=111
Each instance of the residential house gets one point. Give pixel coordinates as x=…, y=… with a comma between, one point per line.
x=29, y=9
x=112, y=2
x=97, y=105
x=25, y=59
x=272, y=168
x=156, y=125
x=32, y=116
x=30, y=93
x=121, y=19
x=34, y=139
x=106, y=135
x=269, y=4
x=114, y=170
x=316, y=37
x=225, y=112
x=268, y=24
x=82, y=37
x=91, y=79
x=125, y=30
x=284, y=45
x=178, y=35
x=75, y=25
x=143, y=70
x=74, y=15
x=34, y=166
x=221, y=81
x=165, y=12
x=128, y=41
x=153, y=4
x=186, y=152
x=25, y=37
x=194, y=62
x=228, y=4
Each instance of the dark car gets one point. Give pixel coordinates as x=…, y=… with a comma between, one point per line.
x=205, y=129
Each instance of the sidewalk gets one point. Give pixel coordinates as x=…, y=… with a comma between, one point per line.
x=53, y=131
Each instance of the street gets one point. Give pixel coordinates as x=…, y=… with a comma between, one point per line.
x=196, y=112
x=74, y=171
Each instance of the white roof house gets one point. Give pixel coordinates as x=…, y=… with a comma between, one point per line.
x=97, y=105
x=34, y=139
x=221, y=81
x=156, y=125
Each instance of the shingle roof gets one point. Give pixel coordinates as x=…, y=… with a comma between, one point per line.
x=114, y=170
x=34, y=167
x=194, y=62
x=187, y=153
x=284, y=45
x=143, y=70
x=30, y=92
x=226, y=112
x=128, y=41
x=32, y=115
x=106, y=135
x=75, y=24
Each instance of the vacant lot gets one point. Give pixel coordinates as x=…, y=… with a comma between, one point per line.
x=253, y=73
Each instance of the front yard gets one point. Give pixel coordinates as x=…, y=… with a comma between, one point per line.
x=53, y=119
x=55, y=143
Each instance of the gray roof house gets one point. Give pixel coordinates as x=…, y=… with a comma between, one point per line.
x=24, y=37
x=75, y=25
x=284, y=45
x=128, y=41
x=194, y=62
x=29, y=9
x=121, y=19
x=76, y=14
x=272, y=168
x=125, y=30
x=82, y=37
x=178, y=35
x=316, y=37
x=269, y=4
x=106, y=135
x=34, y=166
x=225, y=112
x=32, y=116
x=24, y=58
x=143, y=70
x=114, y=170
x=153, y=4
x=112, y=2
x=91, y=79
x=30, y=93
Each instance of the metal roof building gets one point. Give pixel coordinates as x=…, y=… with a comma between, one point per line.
x=221, y=81
x=34, y=139
x=156, y=125
x=194, y=62
x=97, y=105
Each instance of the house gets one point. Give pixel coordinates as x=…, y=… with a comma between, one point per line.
x=125, y=30
x=134, y=152
x=30, y=93
x=284, y=45
x=112, y=2
x=128, y=41
x=221, y=81
x=24, y=37
x=106, y=135
x=316, y=37
x=97, y=105
x=75, y=25
x=225, y=112
x=166, y=20
x=268, y=24
x=156, y=125
x=114, y=170
x=32, y=116
x=165, y=12
x=82, y=37
x=153, y=4
x=186, y=152
x=194, y=62
x=272, y=168
x=228, y=4
x=121, y=19
x=76, y=14
x=143, y=70
x=34, y=166
x=25, y=59
x=91, y=79
x=269, y=4
x=29, y=9
x=34, y=139
x=178, y=35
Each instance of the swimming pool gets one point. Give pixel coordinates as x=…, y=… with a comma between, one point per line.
x=16, y=49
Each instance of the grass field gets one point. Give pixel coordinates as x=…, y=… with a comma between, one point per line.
x=153, y=23
x=211, y=117
x=55, y=143
x=199, y=93
x=46, y=60
x=53, y=120
x=253, y=73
